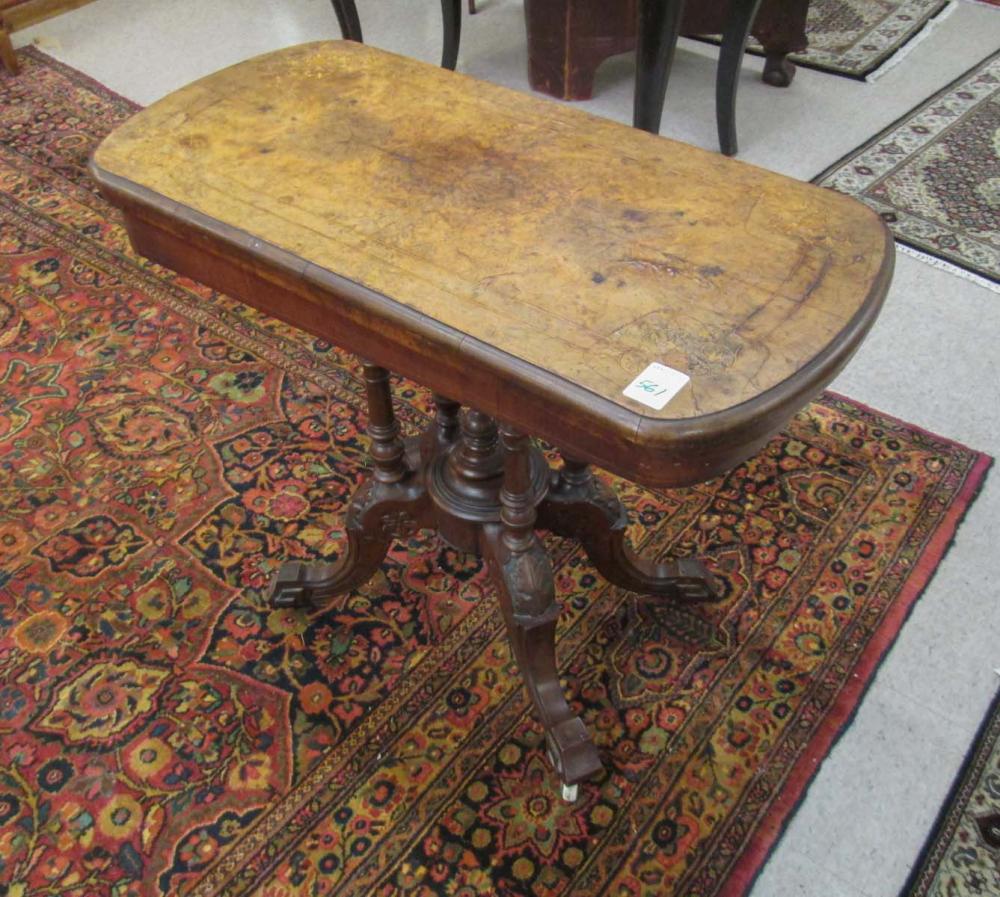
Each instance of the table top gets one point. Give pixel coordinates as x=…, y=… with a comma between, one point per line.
x=552, y=249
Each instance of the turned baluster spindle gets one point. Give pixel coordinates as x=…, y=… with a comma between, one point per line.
x=517, y=507
x=387, y=448
x=447, y=419
x=476, y=457
x=576, y=474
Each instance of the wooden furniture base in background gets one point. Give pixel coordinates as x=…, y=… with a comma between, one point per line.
x=485, y=490
x=557, y=30
x=569, y=39
x=21, y=15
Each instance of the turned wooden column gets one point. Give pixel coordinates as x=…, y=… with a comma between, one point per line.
x=387, y=449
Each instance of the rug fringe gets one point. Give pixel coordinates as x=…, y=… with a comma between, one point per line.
x=914, y=41
x=950, y=267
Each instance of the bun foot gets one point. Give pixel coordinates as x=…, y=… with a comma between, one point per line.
x=778, y=71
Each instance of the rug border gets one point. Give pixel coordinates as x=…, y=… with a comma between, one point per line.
x=74, y=74
x=767, y=837
x=860, y=148
x=826, y=69
x=954, y=791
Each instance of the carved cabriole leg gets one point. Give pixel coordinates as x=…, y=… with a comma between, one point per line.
x=523, y=576
x=580, y=507
x=392, y=504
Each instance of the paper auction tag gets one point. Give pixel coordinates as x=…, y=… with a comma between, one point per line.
x=656, y=385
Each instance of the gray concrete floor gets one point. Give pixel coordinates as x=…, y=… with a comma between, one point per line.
x=932, y=359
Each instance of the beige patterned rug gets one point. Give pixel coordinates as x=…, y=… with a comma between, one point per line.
x=856, y=37
x=962, y=855
x=934, y=175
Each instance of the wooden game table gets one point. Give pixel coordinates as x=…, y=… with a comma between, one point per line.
x=522, y=259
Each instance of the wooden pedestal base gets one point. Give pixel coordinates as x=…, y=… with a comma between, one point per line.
x=486, y=489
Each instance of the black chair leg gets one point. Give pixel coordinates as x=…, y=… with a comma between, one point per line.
x=347, y=18
x=727, y=79
x=657, y=30
x=451, y=15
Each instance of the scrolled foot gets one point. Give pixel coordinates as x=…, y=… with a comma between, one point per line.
x=290, y=586
x=299, y=584
x=687, y=577
x=572, y=752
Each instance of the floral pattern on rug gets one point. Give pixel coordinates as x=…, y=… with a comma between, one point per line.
x=962, y=854
x=934, y=175
x=164, y=730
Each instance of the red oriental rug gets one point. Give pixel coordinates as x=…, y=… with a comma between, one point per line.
x=163, y=731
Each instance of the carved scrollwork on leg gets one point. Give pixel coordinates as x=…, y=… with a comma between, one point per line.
x=377, y=514
x=525, y=588
x=523, y=577
x=581, y=507
x=393, y=504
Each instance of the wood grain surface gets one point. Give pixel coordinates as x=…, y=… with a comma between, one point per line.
x=503, y=226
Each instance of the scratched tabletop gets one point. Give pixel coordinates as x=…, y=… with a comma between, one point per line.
x=583, y=248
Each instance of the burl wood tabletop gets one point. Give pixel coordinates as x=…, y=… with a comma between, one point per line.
x=580, y=249
x=519, y=257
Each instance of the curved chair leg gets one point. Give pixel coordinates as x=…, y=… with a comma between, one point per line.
x=451, y=16
x=582, y=508
x=347, y=18
x=734, y=42
x=658, y=26
x=522, y=573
